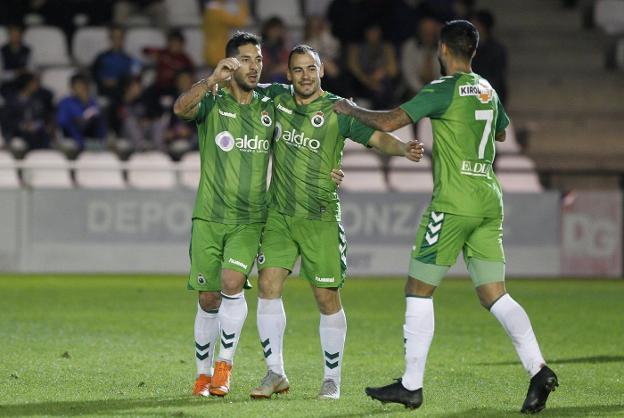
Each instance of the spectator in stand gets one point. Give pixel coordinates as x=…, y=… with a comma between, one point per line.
x=111, y=67
x=153, y=9
x=220, y=18
x=373, y=64
x=170, y=61
x=15, y=57
x=275, y=51
x=419, y=56
x=135, y=124
x=79, y=116
x=318, y=35
x=179, y=135
x=490, y=61
x=28, y=116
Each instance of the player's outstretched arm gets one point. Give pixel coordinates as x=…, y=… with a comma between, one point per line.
x=391, y=145
x=382, y=120
x=187, y=105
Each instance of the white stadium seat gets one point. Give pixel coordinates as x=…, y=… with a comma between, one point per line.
x=190, y=170
x=516, y=173
x=609, y=16
x=8, y=172
x=88, y=42
x=139, y=38
x=47, y=169
x=352, y=146
x=510, y=145
x=409, y=176
x=194, y=44
x=48, y=45
x=99, y=170
x=316, y=7
x=363, y=173
x=288, y=11
x=183, y=12
x=151, y=170
x=57, y=80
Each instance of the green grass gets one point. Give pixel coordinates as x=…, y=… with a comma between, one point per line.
x=130, y=350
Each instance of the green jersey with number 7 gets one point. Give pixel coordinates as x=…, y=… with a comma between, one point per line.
x=466, y=114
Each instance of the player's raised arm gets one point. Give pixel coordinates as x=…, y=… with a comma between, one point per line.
x=187, y=105
x=391, y=145
x=383, y=120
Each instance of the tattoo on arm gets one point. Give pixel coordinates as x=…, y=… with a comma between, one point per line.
x=386, y=120
x=186, y=106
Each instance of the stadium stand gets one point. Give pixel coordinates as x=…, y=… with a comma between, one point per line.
x=288, y=11
x=609, y=16
x=516, y=173
x=139, y=38
x=194, y=44
x=407, y=176
x=49, y=47
x=88, y=42
x=57, y=80
x=151, y=170
x=183, y=13
x=190, y=166
x=363, y=173
x=8, y=172
x=99, y=170
x=47, y=169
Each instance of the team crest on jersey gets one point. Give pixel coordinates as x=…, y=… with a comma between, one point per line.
x=265, y=119
x=318, y=119
x=261, y=258
x=483, y=91
x=201, y=279
x=225, y=141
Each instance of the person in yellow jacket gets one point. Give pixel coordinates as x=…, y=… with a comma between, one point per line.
x=220, y=17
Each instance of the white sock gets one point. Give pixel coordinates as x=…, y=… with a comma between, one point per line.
x=518, y=326
x=418, y=334
x=333, y=331
x=232, y=314
x=271, y=320
x=206, y=334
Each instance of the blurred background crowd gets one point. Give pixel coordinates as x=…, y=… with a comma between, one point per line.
x=103, y=75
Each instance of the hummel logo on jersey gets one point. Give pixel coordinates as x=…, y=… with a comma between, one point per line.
x=227, y=114
x=299, y=139
x=226, y=141
x=432, y=234
x=237, y=263
x=283, y=109
x=483, y=91
x=325, y=279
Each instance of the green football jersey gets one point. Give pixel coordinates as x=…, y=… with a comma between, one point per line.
x=466, y=114
x=234, y=143
x=309, y=141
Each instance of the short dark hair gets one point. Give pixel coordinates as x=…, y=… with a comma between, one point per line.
x=302, y=49
x=78, y=78
x=240, y=39
x=461, y=37
x=176, y=35
x=23, y=80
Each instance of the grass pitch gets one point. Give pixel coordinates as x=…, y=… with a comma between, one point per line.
x=123, y=346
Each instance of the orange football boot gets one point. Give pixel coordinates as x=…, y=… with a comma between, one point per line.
x=220, y=384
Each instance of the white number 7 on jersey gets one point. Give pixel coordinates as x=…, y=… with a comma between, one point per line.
x=488, y=117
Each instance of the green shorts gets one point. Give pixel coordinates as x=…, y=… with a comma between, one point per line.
x=321, y=244
x=440, y=238
x=216, y=246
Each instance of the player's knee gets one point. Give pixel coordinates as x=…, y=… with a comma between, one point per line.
x=209, y=301
x=415, y=287
x=328, y=301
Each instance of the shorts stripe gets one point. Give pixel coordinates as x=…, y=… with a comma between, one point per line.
x=342, y=247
